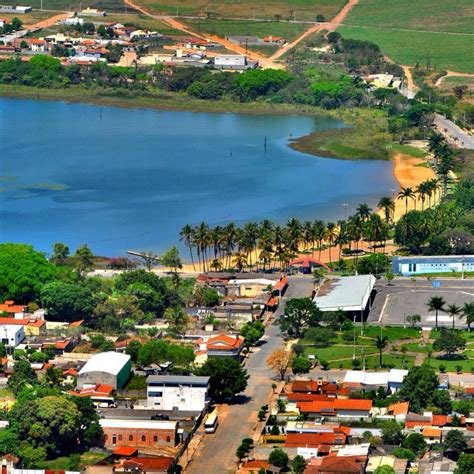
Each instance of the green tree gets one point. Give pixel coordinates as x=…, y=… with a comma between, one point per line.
x=404, y=453
x=278, y=458
x=83, y=261
x=160, y=351
x=465, y=464
x=385, y=469
x=119, y=312
x=455, y=441
x=300, y=313
x=372, y=264
x=23, y=376
x=436, y=303
x=23, y=272
x=252, y=332
x=298, y=464
x=178, y=321
x=449, y=342
x=381, y=344
x=392, y=433
x=171, y=259
x=413, y=320
x=404, y=195
x=60, y=252
x=227, y=377
x=418, y=388
x=67, y=301
x=454, y=310
x=206, y=297
x=132, y=349
x=53, y=377
x=319, y=336
x=300, y=365
x=414, y=442
x=387, y=205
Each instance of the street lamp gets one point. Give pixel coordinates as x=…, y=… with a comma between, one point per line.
x=345, y=205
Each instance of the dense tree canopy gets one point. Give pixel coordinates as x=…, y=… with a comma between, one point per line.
x=23, y=272
x=227, y=377
x=300, y=313
x=67, y=301
x=419, y=387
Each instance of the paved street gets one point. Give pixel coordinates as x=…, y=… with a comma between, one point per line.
x=453, y=132
x=216, y=453
x=405, y=296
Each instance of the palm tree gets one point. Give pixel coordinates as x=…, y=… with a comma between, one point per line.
x=406, y=193
x=423, y=190
x=201, y=238
x=331, y=236
x=381, y=344
x=436, y=303
x=454, y=310
x=240, y=260
x=187, y=237
x=446, y=165
x=294, y=233
x=468, y=313
x=363, y=211
x=387, y=204
x=319, y=230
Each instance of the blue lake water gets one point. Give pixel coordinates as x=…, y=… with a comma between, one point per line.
x=121, y=179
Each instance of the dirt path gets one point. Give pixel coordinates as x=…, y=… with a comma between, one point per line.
x=49, y=21
x=452, y=74
x=330, y=26
x=264, y=62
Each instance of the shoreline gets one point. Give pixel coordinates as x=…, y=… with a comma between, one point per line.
x=406, y=168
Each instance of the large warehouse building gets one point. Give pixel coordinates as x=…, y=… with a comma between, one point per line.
x=106, y=368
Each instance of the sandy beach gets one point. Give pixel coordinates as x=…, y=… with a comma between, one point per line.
x=408, y=172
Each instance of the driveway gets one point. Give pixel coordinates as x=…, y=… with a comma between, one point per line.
x=216, y=453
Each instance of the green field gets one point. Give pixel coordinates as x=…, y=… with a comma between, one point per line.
x=439, y=50
x=74, y=5
x=224, y=28
x=448, y=15
x=268, y=9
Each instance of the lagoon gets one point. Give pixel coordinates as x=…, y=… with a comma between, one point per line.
x=120, y=179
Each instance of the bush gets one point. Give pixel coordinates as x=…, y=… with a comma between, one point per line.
x=324, y=364
x=442, y=368
x=301, y=365
x=356, y=363
x=404, y=453
x=279, y=458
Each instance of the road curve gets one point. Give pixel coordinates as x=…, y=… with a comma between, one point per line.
x=330, y=26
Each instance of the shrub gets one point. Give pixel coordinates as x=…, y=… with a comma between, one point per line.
x=404, y=453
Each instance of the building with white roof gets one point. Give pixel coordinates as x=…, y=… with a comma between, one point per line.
x=351, y=294
x=105, y=368
x=392, y=379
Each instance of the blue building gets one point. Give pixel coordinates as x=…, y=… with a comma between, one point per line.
x=408, y=266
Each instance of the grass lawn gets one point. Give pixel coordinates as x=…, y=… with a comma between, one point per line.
x=143, y=22
x=443, y=51
x=389, y=360
x=64, y=462
x=447, y=15
x=455, y=81
x=285, y=9
x=451, y=365
x=408, y=150
x=224, y=28
x=392, y=333
x=337, y=352
x=415, y=347
x=468, y=335
x=6, y=393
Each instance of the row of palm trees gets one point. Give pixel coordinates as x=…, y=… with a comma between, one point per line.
x=437, y=303
x=426, y=189
x=267, y=244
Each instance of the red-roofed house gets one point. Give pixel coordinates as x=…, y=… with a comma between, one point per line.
x=99, y=391
x=313, y=440
x=38, y=45
x=125, y=451
x=160, y=464
x=399, y=410
x=253, y=467
x=31, y=327
x=336, y=465
x=341, y=408
x=13, y=309
x=224, y=346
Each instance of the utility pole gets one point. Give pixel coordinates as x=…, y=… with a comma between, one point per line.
x=354, y=338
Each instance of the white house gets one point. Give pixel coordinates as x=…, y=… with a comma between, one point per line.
x=177, y=392
x=11, y=334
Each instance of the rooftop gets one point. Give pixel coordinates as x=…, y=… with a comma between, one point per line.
x=346, y=293
x=110, y=362
x=178, y=379
x=137, y=424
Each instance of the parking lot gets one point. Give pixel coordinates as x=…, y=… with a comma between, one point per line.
x=404, y=297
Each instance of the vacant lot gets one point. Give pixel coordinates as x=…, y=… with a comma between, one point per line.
x=447, y=15
x=285, y=9
x=440, y=50
x=225, y=28
x=142, y=21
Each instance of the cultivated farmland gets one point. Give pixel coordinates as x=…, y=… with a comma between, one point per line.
x=439, y=32
x=269, y=9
